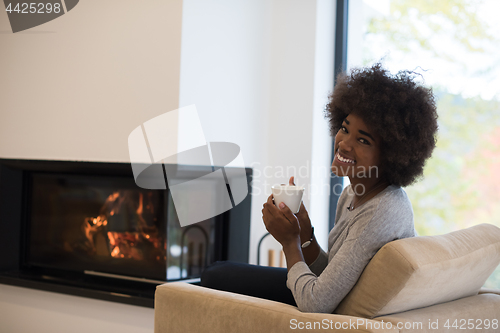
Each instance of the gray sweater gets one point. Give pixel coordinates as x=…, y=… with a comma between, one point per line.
x=353, y=241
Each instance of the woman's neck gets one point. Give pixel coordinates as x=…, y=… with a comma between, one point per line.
x=365, y=189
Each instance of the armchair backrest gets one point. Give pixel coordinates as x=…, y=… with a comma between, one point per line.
x=422, y=271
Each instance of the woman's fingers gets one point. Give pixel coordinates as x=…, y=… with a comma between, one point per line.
x=270, y=211
x=265, y=216
x=288, y=213
x=291, y=181
x=280, y=222
x=302, y=209
x=269, y=207
x=270, y=199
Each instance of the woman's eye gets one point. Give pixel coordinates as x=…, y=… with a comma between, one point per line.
x=364, y=141
x=343, y=129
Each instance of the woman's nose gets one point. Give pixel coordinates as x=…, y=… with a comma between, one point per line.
x=345, y=145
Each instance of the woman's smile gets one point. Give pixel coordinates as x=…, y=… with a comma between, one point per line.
x=343, y=159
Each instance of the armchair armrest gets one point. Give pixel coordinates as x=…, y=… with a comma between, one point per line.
x=182, y=307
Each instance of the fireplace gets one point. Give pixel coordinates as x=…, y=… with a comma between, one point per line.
x=86, y=229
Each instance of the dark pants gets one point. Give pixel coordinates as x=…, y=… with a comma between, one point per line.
x=252, y=280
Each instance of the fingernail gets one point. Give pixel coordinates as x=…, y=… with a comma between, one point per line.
x=282, y=205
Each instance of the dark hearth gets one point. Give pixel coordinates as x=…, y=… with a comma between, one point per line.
x=86, y=228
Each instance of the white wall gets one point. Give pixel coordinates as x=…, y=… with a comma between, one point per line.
x=75, y=87
x=259, y=72
x=321, y=146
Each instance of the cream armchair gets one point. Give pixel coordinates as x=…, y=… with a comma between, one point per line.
x=421, y=284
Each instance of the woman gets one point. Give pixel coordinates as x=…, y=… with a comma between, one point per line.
x=384, y=129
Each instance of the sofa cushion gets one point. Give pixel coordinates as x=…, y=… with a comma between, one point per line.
x=421, y=271
x=184, y=308
x=480, y=311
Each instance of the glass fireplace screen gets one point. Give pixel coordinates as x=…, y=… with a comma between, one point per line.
x=109, y=225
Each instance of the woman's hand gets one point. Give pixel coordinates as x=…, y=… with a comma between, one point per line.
x=303, y=217
x=281, y=223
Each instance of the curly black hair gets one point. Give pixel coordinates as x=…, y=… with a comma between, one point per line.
x=400, y=110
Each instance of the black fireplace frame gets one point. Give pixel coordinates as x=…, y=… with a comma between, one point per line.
x=231, y=242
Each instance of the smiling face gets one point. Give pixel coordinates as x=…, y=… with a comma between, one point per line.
x=357, y=151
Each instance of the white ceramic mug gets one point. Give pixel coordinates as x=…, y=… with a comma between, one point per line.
x=289, y=194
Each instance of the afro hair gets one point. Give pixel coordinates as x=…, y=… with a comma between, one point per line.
x=400, y=110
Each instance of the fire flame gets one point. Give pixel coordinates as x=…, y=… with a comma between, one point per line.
x=137, y=241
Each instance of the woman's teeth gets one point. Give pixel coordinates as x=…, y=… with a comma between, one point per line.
x=345, y=160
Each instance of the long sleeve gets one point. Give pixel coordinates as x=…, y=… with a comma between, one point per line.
x=319, y=264
x=322, y=294
x=321, y=286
